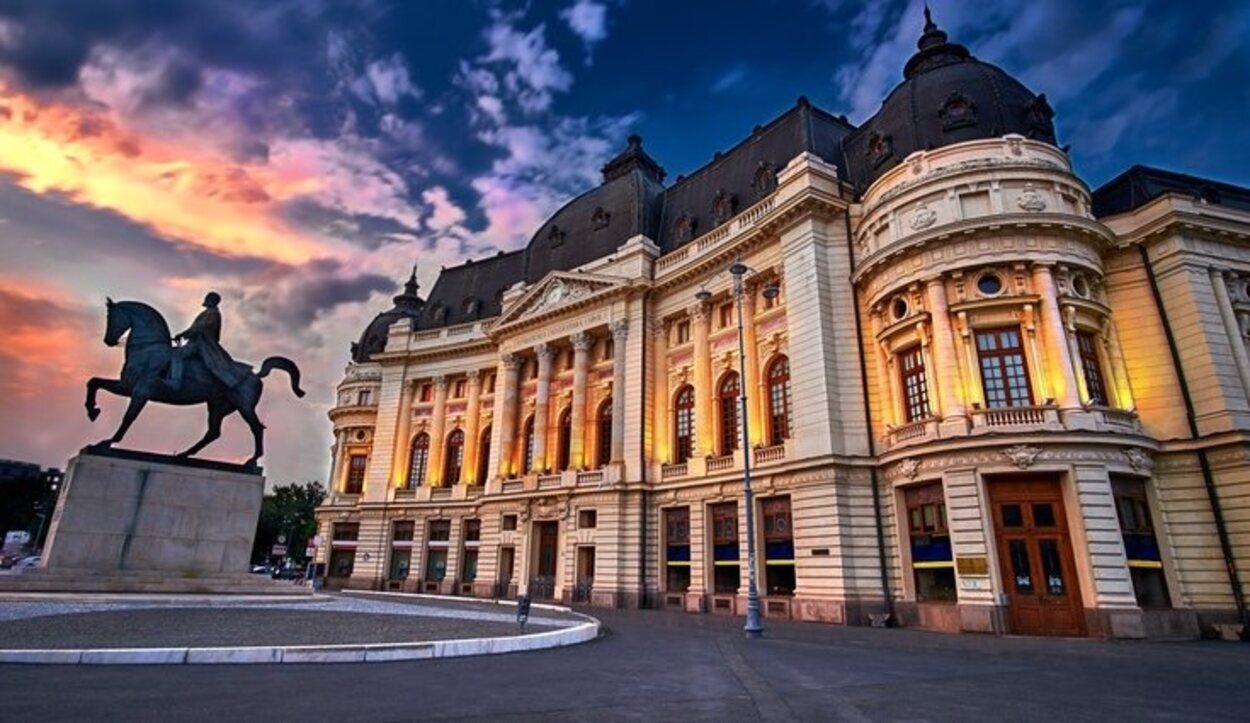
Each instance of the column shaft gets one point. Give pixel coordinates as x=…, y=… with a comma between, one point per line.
x=703, y=444
x=661, y=451
x=542, y=407
x=506, y=392
x=472, y=425
x=944, y=356
x=438, y=428
x=403, y=426
x=582, y=343
x=1063, y=384
x=885, y=381
x=1231, y=328
x=753, y=386
x=620, y=335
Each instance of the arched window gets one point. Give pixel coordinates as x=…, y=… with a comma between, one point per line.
x=727, y=406
x=683, y=424
x=565, y=439
x=483, y=456
x=779, y=417
x=527, y=459
x=420, y=458
x=603, y=433
x=454, y=459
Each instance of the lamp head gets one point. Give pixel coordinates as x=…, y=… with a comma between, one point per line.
x=772, y=290
x=703, y=295
x=738, y=269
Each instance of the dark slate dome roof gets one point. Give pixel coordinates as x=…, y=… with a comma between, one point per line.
x=947, y=96
x=407, y=306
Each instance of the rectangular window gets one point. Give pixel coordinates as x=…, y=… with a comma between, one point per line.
x=1087, y=345
x=401, y=549
x=509, y=523
x=356, y=465
x=346, y=532
x=469, y=573
x=683, y=332
x=778, y=546
x=364, y=397
x=1141, y=547
x=472, y=531
x=461, y=386
x=609, y=349
x=343, y=537
x=726, y=315
x=587, y=519
x=725, y=576
x=677, y=549
x=932, y=562
x=436, y=553
x=1004, y=372
x=472, y=541
x=402, y=531
x=490, y=384
x=915, y=385
x=427, y=392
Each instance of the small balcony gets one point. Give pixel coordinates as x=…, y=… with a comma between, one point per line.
x=1010, y=419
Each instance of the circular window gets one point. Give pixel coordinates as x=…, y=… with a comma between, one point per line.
x=360, y=435
x=1080, y=286
x=989, y=284
x=899, y=308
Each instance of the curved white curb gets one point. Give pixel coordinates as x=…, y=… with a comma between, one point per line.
x=368, y=653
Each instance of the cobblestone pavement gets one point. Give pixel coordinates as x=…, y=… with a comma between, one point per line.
x=672, y=666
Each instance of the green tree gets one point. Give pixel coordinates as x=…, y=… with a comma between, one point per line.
x=288, y=511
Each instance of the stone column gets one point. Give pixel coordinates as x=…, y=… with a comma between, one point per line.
x=582, y=343
x=660, y=450
x=542, y=406
x=753, y=385
x=702, y=446
x=945, y=358
x=340, y=464
x=885, y=380
x=1058, y=359
x=438, y=429
x=620, y=334
x=403, y=427
x=1115, y=358
x=1231, y=328
x=472, y=426
x=506, y=392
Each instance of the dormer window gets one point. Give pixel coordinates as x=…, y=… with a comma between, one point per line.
x=555, y=237
x=600, y=218
x=880, y=147
x=765, y=179
x=684, y=227
x=1038, y=115
x=440, y=314
x=472, y=306
x=957, y=112
x=724, y=205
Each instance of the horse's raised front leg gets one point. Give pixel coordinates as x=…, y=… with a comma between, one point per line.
x=95, y=384
x=132, y=412
x=216, y=413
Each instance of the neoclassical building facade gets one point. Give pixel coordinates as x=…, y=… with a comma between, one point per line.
x=979, y=396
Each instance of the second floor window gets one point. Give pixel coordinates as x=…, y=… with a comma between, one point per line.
x=727, y=402
x=1004, y=372
x=726, y=313
x=1087, y=346
x=420, y=458
x=455, y=458
x=683, y=424
x=779, y=400
x=527, y=461
x=682, y=332
x=461, y=387
x=915, y=385
x=356, y=465
x=604, y=433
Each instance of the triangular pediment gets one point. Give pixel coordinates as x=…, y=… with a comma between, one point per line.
x=556, y=291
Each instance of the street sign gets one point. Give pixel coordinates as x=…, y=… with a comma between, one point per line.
x=281, y=539
x=279, y=550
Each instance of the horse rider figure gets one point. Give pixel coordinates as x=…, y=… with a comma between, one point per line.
x=203, y=339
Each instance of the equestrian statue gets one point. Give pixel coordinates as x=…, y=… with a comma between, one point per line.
x=198, y=372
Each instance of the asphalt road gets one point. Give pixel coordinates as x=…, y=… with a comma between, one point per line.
x=675, y=667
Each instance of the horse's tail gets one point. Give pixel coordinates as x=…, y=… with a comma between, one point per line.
x=286, y=365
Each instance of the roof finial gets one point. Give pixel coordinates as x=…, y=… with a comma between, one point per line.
x=928, y=18
x=932, y=35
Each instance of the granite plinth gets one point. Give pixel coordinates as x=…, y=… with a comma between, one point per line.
x=149, y=523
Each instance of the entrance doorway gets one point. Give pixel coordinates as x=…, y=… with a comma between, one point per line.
x=543, y=582
x=1035, y=552
x=585, y=580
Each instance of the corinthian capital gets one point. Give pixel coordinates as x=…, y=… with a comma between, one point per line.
x=511, y=362
x=545, y=352
x=620, y=329
x=582, y=341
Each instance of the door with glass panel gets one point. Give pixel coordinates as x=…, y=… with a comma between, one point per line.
x=1035, y=556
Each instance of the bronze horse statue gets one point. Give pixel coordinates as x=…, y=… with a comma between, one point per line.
x=149, y=348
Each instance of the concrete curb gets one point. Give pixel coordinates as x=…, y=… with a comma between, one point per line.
x=370, y=653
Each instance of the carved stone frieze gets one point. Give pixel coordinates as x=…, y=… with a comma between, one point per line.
x=1022, y=455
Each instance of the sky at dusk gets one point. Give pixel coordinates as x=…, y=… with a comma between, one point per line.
x=300, y=156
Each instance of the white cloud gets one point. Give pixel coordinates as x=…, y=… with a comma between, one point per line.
x=389, y=80
x=446, y=213
x=730, y=78
x=533, y=70
x=589, y=20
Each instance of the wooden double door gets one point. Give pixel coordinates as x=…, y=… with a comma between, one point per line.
x=1035, y=554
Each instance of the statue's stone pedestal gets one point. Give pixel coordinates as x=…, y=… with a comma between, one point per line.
x=135, y=522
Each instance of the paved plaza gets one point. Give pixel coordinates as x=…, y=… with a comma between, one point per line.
x=669, y=666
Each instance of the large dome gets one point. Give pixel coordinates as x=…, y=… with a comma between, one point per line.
x=407, y=306
x=947, y=96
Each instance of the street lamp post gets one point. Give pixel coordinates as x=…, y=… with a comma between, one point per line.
x=754, y=627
